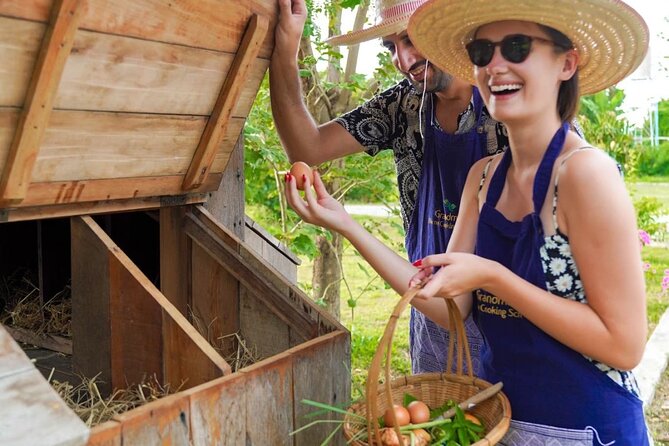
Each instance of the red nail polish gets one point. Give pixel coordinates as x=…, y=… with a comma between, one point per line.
x=304, y=178
x=418, y=263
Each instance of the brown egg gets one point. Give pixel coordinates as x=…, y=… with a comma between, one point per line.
x=299, y=170
x=401, y=414
x=418, y=412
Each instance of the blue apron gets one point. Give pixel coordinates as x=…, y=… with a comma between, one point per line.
x=547, y=382
x=447, y=159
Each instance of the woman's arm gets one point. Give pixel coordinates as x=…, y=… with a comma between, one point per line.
x=323, y=210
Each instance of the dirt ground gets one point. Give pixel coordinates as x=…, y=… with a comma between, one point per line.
x=657, y=415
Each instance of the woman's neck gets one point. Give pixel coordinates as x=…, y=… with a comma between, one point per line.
x=529, y=140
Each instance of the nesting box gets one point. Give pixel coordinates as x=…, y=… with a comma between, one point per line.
x=111, y=107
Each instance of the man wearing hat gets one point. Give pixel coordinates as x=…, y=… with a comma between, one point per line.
x=435, y=124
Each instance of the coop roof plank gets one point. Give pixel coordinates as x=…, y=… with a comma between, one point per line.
x=54, y=52
x=229, y=95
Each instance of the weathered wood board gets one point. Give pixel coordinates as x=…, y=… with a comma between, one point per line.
x=31, y=412
x=140, y=100
x=258, y=405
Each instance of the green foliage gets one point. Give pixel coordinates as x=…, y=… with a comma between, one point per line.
x=654, y=161
x=648, y=212
x=385, y=73
x=657, y=258
x=604, y=127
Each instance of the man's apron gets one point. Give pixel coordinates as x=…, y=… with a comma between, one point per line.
x=447, y=159
x=548, y=383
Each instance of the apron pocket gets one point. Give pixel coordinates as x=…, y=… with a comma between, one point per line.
x=529, y=434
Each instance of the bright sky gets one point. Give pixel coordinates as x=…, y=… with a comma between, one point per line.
x=647, y=85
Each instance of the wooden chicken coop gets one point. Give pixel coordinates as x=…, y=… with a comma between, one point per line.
x=121, y=175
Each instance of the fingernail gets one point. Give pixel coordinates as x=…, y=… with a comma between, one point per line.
x=418, y=263
x=288, y=177
x=304, y=178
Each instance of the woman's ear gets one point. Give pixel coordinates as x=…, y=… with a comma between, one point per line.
x=570, y=65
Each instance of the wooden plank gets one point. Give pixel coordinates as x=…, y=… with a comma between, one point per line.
x=227, y=204
x=216, y=126
x=278, y=255
x=66, y=192
x=165, y=421
x=84, y=145
x=91, y=354
x=218, y=412
x=215, y=300
x=269, y=401
x=174, y=258
x=29, y=406
x=264, y=332
x=304, y=324
x=53, y=54
x=50, y=342
x=96, y=207
x=210, y=24
x=105, y=434
x=134, y=316
x=199, y=361
x=321, y=371
x=123, y=74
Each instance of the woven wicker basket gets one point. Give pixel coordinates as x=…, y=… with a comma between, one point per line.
x=434, y=389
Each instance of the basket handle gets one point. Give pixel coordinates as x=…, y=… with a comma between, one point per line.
x=456, y=328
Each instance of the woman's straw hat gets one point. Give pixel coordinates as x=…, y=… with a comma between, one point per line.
x=610, y=37
x=392, y=16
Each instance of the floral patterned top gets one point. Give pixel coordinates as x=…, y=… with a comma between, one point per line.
x=563, y=279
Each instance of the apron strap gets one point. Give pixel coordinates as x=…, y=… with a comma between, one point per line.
x=557, y=178
x=545, y=171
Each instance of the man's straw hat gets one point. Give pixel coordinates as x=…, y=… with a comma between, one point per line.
x=392, y=16
x=610, y=37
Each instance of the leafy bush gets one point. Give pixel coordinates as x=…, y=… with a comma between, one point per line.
x=654, y=161
x=601, y=117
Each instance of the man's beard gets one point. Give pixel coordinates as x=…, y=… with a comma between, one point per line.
x=436, y=82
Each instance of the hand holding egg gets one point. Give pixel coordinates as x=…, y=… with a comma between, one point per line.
x=300, y=171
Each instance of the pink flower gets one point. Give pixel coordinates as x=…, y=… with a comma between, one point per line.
x=645, y=266
x=644, y=238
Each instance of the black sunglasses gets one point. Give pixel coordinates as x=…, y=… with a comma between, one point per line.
x=515, y=48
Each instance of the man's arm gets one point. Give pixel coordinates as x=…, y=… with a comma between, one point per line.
x=302, y=138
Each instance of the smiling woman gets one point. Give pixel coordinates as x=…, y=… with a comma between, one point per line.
x=519, y=244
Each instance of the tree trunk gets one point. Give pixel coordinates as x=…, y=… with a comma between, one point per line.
x=327, y=273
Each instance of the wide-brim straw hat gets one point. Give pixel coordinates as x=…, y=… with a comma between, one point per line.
x=610, y=37
x=392, y=16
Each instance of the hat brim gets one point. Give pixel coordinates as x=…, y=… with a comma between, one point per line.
x=610, y=37
x=382, y=29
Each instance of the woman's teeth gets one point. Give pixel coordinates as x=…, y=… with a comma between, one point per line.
x=505, y=88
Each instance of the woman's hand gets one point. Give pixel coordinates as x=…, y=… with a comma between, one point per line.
x=320, y=209
x=458, y=273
